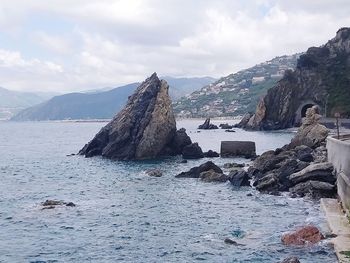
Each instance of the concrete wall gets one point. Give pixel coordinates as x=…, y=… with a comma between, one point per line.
x=339, y=155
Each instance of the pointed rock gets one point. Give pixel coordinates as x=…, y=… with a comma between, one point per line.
x=144, y=129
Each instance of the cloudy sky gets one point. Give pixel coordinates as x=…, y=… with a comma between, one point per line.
x=71, y=45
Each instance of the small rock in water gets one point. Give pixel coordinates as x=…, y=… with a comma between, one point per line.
x=211, y=154
x=291, y=260
x=307, y=235
x=51, y=204
x=184, y=161
x=230, y=241
x=72, y=154
x=154, y=172
x=230, y=131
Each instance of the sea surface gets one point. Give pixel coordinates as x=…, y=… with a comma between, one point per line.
x=123, y=215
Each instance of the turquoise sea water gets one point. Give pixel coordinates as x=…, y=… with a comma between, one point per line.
x=122, y=215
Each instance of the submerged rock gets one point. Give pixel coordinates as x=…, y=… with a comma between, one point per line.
x=290, y=260
x=144, y=129
x=154, y=172
x=196, y=171
x=50, y=204
x=207, y=125
x=307, y=235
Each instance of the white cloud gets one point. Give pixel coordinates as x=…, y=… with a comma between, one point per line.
x=112, y=42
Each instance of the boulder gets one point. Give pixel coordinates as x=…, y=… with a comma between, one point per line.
x=267, y=183
x=154, y=172
x=211, y=154
x=290, y=260
x=239, y=178
x=311, y=133
x=192, y=151
x=319, y=172
x=207, y=125
x=212, y=176
x=307, y=235
x=144, y=129
x=196, y=171
x=246, y=149
x=314, y=189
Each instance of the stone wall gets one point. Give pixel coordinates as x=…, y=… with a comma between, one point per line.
x=339, y=155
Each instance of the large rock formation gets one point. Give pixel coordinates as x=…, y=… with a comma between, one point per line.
x=321, y=78
x=144, y=129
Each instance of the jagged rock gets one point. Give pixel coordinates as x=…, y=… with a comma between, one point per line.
x=267, y=183
x=239, y=178
x=211, y=154
x=311, y=133
x=245, y=149
x=307, y=235
x=154, y=172
x=180, y=141
x=212, y=176
x=290, y=260
x=144, y=129
x=318, y=172
x=314, y=189
x=321, y=78
x=244, y=121
x=226, y=126
x=196, y=171
x=192, y=151
x=207, y=125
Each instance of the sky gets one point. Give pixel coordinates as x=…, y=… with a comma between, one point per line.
x=75, y=45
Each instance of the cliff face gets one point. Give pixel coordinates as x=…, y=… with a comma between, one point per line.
x=145, y=128
x=322, y=78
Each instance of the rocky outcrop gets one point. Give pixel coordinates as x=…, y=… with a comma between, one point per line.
x=144, y=129
x=212, y=176
x=226, y=126
x=195, y=172
x=239, y=178
x=321, y=78
x=311, y=132
x=307, y=235
x=192, y=151
x=207, y=125
x=298, y=167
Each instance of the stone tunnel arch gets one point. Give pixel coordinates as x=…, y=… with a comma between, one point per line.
x=304, y=109
x=301, y=112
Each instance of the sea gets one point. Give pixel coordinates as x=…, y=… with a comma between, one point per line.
x=124, y=215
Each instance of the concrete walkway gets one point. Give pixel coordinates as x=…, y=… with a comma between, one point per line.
x=339, y=225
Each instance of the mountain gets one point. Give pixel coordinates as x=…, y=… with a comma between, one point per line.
x=12, y=102
x=322, y=78
x=99, y=104
x=102, y=105
x=236, y=93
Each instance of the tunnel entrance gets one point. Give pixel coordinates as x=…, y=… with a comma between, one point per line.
x=304, y=109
